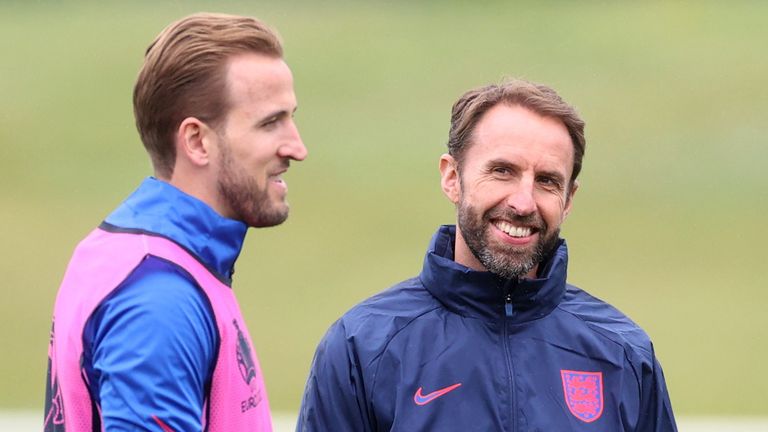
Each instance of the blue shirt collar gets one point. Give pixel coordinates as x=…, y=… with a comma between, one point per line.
x=158, y=208
x=482, y=294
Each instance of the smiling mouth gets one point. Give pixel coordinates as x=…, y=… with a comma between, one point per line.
x=278, y=181
x=278, y=175
x=514, y=230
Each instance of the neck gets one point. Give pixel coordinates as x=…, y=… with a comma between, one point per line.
x=198, y=185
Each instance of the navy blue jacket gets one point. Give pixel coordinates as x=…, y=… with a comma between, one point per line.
x=460, y=350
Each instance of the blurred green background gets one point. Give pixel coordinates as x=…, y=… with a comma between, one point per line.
x=669, y=223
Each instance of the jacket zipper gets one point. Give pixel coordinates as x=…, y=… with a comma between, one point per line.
x=508, y=311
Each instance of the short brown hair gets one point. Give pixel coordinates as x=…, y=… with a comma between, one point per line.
x=542, y=100
x=184, y=76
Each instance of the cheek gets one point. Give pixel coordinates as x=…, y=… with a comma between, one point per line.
x=551, y=206
x=246, y=170
x=484, y=193
x=476, y=199
x=253, y=164
x=560, y=210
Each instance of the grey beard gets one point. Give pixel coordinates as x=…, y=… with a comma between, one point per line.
x=511, y=265
x=504, y=262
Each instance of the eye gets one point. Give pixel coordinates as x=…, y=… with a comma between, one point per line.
x=549, y=182
x=501, y=170
x=270, y=121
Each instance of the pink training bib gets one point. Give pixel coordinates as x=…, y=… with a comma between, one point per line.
x=101, y=262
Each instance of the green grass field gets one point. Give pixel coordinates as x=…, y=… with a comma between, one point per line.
x=669, y=223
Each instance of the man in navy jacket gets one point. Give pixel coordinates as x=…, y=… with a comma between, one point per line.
x=490, y=336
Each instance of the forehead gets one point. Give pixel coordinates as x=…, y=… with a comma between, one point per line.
x=257, y=79
x=515, y=133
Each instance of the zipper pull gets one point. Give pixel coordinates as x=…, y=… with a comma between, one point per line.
x=508, y=309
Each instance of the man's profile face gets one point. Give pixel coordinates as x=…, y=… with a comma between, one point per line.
x=257, y=140
x=513, y=191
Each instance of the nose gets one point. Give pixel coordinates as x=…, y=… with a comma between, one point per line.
x=293, y=147
x=521, y=198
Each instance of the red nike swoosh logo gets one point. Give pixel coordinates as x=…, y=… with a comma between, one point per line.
x=162, y=424
x=421, y=399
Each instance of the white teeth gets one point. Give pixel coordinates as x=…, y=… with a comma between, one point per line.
x=513, y=230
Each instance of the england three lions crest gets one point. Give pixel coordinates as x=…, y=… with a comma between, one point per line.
x=583, y=394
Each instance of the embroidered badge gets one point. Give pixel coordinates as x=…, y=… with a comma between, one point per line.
x=583, y=394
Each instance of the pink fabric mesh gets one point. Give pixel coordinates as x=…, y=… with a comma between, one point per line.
x=238, y=398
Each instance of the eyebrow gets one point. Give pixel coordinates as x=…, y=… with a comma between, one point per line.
x=277, y=114
x=501, y=162
x=556, y=175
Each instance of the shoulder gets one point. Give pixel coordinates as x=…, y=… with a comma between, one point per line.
x=607, y=323
x=160, y=290
x=158, y=300
x=369, y=326
x=389, y=311
x=398, y=304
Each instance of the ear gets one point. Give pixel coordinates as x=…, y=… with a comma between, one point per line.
x=569, y=199
x=449, y=178
x=194, y=142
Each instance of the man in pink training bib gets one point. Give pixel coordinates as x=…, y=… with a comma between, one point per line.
x=147, y=333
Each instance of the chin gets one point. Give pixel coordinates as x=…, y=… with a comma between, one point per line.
x=269, y=217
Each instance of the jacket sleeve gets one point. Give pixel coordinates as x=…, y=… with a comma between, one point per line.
x=334, y=397
x=655, y=409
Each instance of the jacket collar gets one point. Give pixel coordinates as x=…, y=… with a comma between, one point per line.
x=482, y=294
x=158, y=208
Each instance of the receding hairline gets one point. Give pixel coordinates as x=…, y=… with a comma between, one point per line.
x=182, y=75
x=470, y=139
x=228, y=77
x=474, y=104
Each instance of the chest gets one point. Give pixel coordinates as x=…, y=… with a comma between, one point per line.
x=465, y=375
